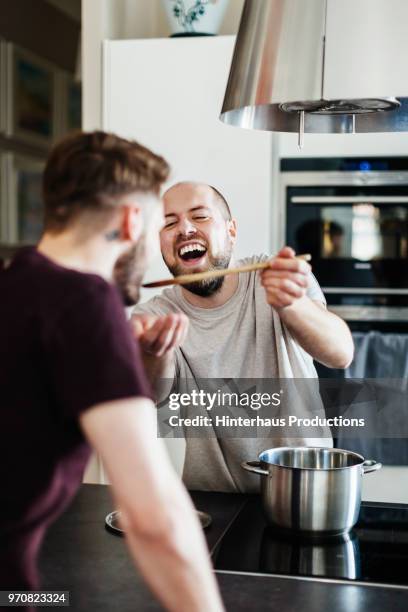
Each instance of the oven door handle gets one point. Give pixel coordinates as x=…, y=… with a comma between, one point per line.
x=365, y=290
x=349, y=199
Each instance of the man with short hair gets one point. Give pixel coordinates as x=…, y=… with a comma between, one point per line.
x=264, y=325
x=70, y=371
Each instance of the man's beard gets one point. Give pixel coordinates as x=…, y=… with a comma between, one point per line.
x=129, y=271
x=209, y=287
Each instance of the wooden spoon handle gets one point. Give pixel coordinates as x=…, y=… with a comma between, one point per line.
x=185, y=279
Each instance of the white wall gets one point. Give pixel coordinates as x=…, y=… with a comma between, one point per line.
x=171, y=103
x=167, y=93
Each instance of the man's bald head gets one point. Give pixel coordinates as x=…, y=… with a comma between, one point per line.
x=198, y=233
x=186, y=187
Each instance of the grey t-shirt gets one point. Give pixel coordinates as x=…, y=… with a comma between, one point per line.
x=242, y=339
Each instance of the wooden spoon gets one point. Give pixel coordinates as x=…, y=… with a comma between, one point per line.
x=186, y=279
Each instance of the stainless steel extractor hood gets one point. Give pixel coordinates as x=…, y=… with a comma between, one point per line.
x=322, y=66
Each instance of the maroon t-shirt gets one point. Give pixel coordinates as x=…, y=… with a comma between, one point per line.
x=65, y=345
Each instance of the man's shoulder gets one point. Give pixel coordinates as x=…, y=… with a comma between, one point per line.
x=87, y=285
x=247, y=261
x=253, y=278
x=84, y=299
x=45, y=285
x=83, y=290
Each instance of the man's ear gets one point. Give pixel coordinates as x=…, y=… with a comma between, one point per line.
x=232, y=230
x=132, y=223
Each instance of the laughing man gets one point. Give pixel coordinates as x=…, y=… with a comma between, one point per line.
x=268, y=324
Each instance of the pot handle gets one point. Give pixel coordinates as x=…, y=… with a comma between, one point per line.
x=370, y=465
x=255, y=467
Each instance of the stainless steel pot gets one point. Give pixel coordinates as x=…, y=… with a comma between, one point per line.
x=311, y=489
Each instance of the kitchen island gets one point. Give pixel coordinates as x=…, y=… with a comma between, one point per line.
x=81, y=556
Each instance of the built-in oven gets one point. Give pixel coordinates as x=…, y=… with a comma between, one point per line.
x=351, y=215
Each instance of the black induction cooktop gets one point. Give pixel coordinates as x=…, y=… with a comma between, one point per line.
x=375, y=551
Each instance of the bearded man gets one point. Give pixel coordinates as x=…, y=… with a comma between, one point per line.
x=71, y=374
x=264, y=325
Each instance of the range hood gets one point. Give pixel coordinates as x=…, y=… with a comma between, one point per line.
x=320, y=66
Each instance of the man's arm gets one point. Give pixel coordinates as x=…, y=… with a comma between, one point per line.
x=158, y=336
x=319, y=332
x=322, y=334
x=161, y=527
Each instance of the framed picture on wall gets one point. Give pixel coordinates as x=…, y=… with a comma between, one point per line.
x=32, y=102
x=24, y=199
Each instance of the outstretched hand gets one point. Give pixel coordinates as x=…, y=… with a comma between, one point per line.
x=286, y=279
x=159, y=335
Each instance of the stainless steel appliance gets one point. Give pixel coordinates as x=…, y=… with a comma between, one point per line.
x=316, y=490
x=351, y=214
x=319, y=66
x=375, y=552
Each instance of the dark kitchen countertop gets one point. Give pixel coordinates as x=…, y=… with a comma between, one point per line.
x=81, y=556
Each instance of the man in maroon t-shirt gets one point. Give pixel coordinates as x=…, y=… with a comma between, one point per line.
x=70, y=373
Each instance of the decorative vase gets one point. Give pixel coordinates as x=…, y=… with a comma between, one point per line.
x=194, y=17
